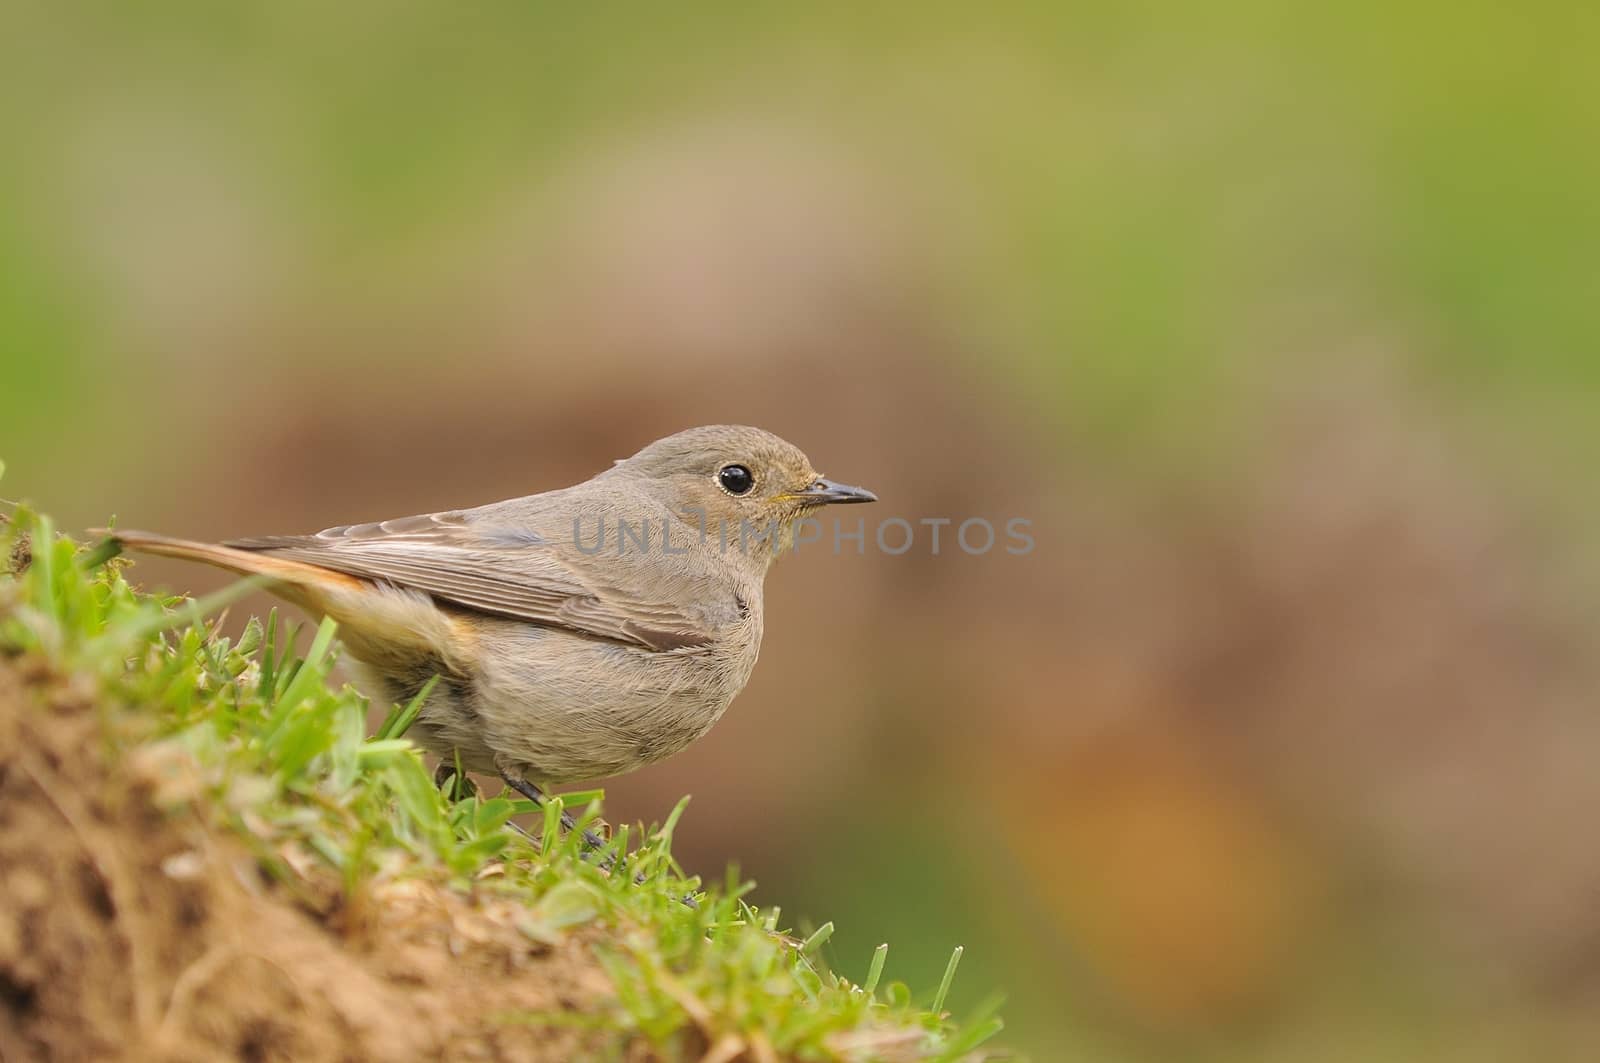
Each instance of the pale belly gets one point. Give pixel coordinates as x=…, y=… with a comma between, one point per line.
x=557, y=707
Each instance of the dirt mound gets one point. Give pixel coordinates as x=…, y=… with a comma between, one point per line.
x=131, y=928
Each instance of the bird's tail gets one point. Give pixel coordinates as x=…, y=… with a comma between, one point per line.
x=244, y=562
x=384, y=629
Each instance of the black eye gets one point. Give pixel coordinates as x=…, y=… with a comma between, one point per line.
x=735, y=479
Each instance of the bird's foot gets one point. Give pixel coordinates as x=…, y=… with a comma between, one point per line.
x=592, y=842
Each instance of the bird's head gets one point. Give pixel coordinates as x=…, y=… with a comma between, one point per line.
x=743, y=486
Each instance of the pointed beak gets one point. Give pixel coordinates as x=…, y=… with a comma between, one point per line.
x=825, y=492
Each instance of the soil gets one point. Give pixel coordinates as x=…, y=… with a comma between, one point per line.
x=131, y=931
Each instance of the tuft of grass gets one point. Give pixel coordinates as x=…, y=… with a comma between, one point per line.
x=284, y=761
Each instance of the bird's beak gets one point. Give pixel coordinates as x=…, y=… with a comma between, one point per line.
x=824, y=491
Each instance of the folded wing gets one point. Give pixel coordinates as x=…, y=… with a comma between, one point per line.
x=502, y=572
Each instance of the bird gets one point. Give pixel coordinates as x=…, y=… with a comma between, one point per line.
x=577, y=634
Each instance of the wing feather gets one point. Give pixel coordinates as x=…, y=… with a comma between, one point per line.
x=506, y=572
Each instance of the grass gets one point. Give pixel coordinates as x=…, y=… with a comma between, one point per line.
x=286, y=765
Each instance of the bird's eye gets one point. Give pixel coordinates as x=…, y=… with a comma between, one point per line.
x=735, y=479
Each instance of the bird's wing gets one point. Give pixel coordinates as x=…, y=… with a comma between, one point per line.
x=501, y=571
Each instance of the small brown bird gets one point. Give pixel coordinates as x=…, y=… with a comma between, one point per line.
x=577, y=634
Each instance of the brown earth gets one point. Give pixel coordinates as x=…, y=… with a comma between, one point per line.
x=130, y=929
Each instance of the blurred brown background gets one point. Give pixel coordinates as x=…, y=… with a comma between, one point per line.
x=1282, y=744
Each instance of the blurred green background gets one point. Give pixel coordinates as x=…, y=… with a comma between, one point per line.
x=1279, y=322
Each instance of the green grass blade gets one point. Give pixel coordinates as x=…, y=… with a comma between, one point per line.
x=307, y=677
x=100, y=553
x=818, y=938
x=42, y=570
x=875, y=972
x=399, y=721
x=949, y=976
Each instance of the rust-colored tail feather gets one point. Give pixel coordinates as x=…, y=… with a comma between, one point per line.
x=244, y=562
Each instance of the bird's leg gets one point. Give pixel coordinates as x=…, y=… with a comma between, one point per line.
x=457, y=786
x=591, y=840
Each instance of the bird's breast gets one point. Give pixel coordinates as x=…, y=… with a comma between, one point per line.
x=578, y=708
